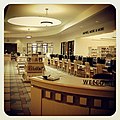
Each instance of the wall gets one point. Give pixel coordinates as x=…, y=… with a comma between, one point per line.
x=82, y=42
x=22, y=43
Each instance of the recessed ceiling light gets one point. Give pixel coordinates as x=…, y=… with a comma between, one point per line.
x=96, y=21
x=28, y=36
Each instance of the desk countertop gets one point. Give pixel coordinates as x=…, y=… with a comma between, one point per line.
x=70, y=81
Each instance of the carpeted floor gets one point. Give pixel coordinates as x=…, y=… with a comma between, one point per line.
x=16, y=93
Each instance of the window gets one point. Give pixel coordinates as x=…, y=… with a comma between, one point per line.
x=41, y=48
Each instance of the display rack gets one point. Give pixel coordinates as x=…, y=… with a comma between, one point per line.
x=93, y=52
x=102, y=51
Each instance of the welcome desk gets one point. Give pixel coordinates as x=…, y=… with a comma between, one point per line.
x=71, y=95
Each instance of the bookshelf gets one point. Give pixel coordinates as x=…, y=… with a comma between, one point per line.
x=102, y=51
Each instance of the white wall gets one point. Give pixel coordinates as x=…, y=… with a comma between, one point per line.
x=81, y=41
x=82, y=44
x=22, y=43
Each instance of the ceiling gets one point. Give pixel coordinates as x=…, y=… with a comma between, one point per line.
x=73, y=17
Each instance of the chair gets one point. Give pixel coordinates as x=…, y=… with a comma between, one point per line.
x=66, y=65
x=63, y=64
x=80, y=62
x=70, y=67
x=75, y=67
x=87, y=70
x=77, y=70
x=51, y=61
x=46, y=60
x=55, y=63
x=99, y=68
x=58, y=64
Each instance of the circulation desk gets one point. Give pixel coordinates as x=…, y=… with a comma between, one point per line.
x=70, y=96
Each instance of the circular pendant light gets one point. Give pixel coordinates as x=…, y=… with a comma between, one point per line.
x=35, y=21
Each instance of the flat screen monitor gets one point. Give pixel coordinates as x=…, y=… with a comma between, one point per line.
x=76, y=57
x=108, y=63
x=90, y=60
x=65, y=57
x=80, y=58
x=72, y=58
x=52, y=55
x=94, y=60
x=113, y=65
x=101, y=60
x=60, y=57
x=84, y=60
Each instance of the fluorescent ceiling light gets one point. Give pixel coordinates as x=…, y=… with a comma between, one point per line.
x=34, y=21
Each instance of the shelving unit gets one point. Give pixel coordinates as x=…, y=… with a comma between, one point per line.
x=93, y=52
x=102, y=51
x=113, y=50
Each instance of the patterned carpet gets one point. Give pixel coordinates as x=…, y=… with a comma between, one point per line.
x=16, y=93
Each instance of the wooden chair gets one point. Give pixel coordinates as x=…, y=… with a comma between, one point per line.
x=63, y=64
x=70, y=67
x=51, y=61
x=75, y=67
x=99, y=68
x=87, y=70
x=77, y=70
x=46, y=61
x=58, y=64
x=80, y=62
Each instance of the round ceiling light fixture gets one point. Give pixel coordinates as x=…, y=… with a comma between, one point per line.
x=28, y=36
x=35, y=21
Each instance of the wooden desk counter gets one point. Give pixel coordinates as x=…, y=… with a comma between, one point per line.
x=69, y=96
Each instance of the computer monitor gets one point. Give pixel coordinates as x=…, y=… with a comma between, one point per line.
x=113, y=65
x=60, y=57
x=101, y=60
x=90, y=60
x=65, y=57
x=76, y=57
x=94, y=60
x=52, y=55
x=108, y=63
x=84, y=59
x=72, y=58
x=80, y=58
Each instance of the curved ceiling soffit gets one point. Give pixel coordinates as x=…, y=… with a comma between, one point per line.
x=82, y=16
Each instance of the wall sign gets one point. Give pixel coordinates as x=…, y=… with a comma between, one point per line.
x=99, y=82
x=93, y=30
x=34, y=67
